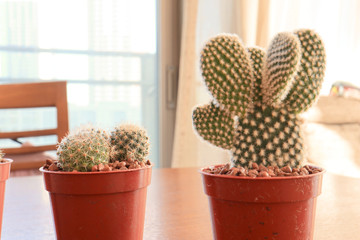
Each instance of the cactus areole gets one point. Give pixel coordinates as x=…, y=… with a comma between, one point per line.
x=258, y=95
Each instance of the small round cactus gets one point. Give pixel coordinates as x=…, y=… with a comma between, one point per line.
x=258, y=95
x=83, y=149
x=1, y=155
x=130, y=142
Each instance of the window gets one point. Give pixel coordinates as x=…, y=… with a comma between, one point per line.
x=105, y=50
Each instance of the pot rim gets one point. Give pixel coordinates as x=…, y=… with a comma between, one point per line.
x=7, y=160
x=93, y=173
x=201, y=171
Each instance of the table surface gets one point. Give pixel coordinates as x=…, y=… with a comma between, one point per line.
x=177, y=208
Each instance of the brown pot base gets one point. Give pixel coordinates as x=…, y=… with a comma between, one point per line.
x=98, y=205
x=280, y=208
x=4, y=175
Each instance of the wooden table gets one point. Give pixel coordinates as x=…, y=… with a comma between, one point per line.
x=177, y=208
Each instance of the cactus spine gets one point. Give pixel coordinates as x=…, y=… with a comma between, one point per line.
x=258, y=95
x=130, y=143
x=83, y=149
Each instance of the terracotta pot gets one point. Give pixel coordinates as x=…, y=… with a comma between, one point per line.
x=4, y=175
x=98, y=205
x=280, y=208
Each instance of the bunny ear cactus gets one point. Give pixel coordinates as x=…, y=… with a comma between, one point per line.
x=83, y=149
x=258, y=96
x=130, y=142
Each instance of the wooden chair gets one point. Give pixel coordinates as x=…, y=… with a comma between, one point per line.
x=34, y=95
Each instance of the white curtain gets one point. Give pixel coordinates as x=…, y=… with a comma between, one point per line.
x=256, y=22
x=185, y=142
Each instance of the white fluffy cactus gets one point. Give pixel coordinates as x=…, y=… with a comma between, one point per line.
x=84, y=148
x=258, y=95
x=1, y=155
x=130, y=142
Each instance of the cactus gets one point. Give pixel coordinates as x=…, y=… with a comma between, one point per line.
x=1, y=155
x=258, y=95
x=130, y=143
x=83, y=149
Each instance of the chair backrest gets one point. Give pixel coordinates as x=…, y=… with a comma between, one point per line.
x=34, y=95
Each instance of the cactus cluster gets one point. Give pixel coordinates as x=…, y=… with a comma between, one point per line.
x=258, y=95
x=130, y=142
x=1, y=155
x=87, y=147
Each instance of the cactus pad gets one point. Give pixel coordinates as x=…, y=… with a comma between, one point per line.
x=282, y=61
x=214, y=125
x=310, y=75
x=227, y=72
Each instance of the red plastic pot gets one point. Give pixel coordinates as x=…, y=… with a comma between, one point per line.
x=98, y=205
x=4, y=175
x=281, y=208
